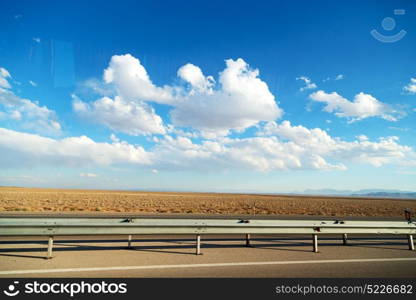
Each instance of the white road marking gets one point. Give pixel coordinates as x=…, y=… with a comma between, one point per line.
x=260, y=263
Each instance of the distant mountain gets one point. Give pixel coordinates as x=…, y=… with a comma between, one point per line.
x=326, y=192
x=382, y=193
x=404, y=195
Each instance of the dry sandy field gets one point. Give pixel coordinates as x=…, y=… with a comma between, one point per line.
x=20, y=200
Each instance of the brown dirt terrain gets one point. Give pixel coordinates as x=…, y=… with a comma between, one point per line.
x=13, y=199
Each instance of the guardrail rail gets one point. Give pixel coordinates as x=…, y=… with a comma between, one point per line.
x=147, y=226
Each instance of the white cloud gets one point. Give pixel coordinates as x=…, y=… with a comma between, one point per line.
x=309, y=85
x=281, y=147
x=363, y=106
x=362, y=137
x=131, y=80
x=179, y=132
x=339, y=77
x=278, y=147
x=194, y=76
x=411, y=87
x=241, y=101
x=114, y=138
x=22, y=149
x=32, y=83
x=404, y=129
x=97, y=87
x=29, y=113
x=318, y=142
x=134, y=118
x=254, y=153
x=4, y=74
x=16, y=115
x=88, y=175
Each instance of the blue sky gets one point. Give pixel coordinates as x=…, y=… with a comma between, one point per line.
x=262, y=96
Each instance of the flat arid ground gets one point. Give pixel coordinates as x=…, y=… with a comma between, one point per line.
x=20, y=200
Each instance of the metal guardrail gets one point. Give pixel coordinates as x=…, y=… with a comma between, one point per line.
x=146, y=226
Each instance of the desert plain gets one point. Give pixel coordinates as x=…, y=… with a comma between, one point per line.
x=38, y=200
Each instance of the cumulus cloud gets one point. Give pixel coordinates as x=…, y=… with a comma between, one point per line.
x=194, y=76
x=179, y=132
x=363, y=106
x=134, y=118
x=309, y=85
x=280, y=147
x=277, y=147
x=254, y=153
x=4, y=74
x=362, y=137
x=88, y=175
x=32, y=83
x=24, y=149
x=403, y=129
x=339, y=77
x=131, y=80
x=386, y=150
x=240, y=100
x=411, y=87
x=29, y=114
x=114, y=138
x=336, y=78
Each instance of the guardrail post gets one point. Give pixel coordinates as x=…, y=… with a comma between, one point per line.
x=198, y=245
x=129, y=242
x=411, y=245
x=50, y=245
x=248, y=240
x=344, y=239
x=315, y=242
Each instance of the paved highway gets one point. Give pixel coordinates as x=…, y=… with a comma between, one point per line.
x=223, y=256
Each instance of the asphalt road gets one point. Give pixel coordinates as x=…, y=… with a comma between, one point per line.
x=223, y=256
